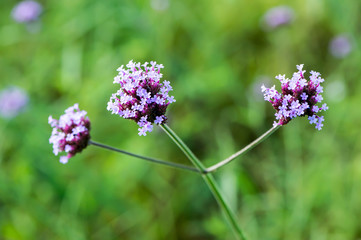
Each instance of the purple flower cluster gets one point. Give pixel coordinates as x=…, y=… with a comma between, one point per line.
x=27, y=11
x=70, y=133
x=298, y=98
x=141, y=97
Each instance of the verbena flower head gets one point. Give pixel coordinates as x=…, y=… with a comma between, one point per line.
x=26, y=11
x=142, y=96
x=298, y=98
x=12, y=101
x=70, y=133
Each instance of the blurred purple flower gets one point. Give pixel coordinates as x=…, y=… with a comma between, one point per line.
x=12, y=101
x=141, y=97
x=340, y=46
x=277, y=16
x=70, y=133
x=159, y=5
x=26, y=11
x=298, y=98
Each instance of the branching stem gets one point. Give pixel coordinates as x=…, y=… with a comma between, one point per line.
x=208, y=178
x=243, y=150
x=169, y=164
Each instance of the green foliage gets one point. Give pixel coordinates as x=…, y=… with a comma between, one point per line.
x=298, y=184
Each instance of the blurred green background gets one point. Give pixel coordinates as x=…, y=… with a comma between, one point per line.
x=299, y=184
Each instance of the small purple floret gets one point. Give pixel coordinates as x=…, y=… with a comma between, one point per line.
x=70, y=133
x=298, y=98
x=142, y=96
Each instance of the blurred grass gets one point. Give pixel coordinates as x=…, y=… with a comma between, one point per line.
x=298, y=184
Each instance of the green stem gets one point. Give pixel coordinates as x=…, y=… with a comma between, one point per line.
x=149, y=159
x=243, y=150
x=208, y=178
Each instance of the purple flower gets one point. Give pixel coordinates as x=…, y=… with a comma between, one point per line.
x=312, y=119
x=141, y=97
x=70, y=133
x=304, y=96
x=298, y=98
x=340, y=46
x=26, y=11
x=277, y=16
x=12, y=101
x=159, y=5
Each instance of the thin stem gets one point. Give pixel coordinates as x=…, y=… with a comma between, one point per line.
x=169, y=164
x=208, y=178
x=190, y=155
x=243, y=150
